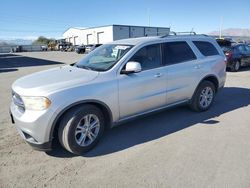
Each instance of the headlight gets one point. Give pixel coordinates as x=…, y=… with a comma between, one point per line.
x=36, y=103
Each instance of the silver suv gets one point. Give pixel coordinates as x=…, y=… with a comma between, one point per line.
x=116, y=82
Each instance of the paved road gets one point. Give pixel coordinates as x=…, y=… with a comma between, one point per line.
x=173, y=148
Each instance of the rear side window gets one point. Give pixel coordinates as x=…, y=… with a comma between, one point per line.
x=177, y=52
x=206, y=48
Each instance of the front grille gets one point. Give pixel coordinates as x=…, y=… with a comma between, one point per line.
x=17, y=100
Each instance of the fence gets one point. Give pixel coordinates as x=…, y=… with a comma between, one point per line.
x=20, y=48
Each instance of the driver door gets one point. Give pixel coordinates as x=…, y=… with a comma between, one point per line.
x=146, y=90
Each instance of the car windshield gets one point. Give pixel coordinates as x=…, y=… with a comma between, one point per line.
x=103, y=57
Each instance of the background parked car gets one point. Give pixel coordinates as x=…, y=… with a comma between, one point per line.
x=237, y=55
x=91, y=47
x=80, y=49
x=44, y=48
x=64, y=46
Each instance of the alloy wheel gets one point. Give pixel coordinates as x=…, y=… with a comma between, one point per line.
x=206, y=97
x=87, y=130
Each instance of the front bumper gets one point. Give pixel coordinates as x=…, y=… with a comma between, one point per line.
x=47, y=146
x=33, y=126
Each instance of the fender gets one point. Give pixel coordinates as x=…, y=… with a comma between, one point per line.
x=54, y=124
x=212, y=78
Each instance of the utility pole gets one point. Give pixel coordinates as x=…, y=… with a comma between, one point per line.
x=221, y=21
x=148, y=12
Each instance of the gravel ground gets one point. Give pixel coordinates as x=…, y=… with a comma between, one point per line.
x=173, y=148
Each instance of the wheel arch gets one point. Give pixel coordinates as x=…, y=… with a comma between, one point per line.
x=212, y=78
x=101, y=105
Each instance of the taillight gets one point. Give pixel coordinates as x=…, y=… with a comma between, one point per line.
x=229, y=55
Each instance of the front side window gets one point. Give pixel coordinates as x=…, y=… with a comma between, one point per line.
x=206, y=48
x=149, y=57
x=177, y=52
x=104, y=57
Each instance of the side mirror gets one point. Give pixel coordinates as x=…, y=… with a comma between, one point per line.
x=132, y=67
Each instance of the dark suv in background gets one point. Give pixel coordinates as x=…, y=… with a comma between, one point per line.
x=238, y=55
x=91, y=47
x=80, y=49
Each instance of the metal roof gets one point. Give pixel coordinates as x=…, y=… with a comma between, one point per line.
x=85, y=28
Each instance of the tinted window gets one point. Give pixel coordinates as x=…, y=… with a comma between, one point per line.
x=226, y=49
x=176, y=52
x=149, y=57
x=223, y=42
x=206, y=48
x=241, y=48
x=248, y=49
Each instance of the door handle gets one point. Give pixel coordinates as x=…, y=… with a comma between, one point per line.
x=158, y=75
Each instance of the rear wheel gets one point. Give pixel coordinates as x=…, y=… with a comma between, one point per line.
x=203, y=97
x=81, y=129
x=236, y=66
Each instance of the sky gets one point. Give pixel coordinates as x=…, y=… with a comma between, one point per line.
x=29, y=19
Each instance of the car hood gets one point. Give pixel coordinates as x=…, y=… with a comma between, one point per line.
x=52, y=80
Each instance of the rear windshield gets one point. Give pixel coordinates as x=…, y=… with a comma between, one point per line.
x=206, y=48
x=223, y=42
x=226, y=48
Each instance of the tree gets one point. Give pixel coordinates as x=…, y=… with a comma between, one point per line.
x=43, y=40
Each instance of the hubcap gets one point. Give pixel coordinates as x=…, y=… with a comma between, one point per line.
x=87, y=130
x=237, y=65
x=206, y=97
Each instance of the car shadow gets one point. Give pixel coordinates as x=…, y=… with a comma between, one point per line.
x=164, y=123
x=13, y=61
x=242, y=69
x=8, y=70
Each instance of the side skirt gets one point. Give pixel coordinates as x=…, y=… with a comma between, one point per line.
x=132, y=117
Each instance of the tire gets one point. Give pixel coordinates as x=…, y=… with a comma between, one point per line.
x=203, y=97
x=236, y=66
x=75, y=133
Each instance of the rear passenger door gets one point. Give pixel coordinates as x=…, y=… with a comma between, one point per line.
x=182, y=70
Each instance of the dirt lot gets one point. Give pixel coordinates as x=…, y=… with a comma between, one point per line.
x=174, y=148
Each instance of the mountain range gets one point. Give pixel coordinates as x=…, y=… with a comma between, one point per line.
x=4, y=42
x=238, y=32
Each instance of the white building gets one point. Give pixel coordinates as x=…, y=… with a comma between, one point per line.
x=109, y=33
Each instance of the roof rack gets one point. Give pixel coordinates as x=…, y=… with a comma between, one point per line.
x=179, y=33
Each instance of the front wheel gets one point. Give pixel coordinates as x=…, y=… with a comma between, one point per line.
x=203, y=97
x=81, y=128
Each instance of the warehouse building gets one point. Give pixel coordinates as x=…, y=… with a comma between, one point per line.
x=109, y=33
